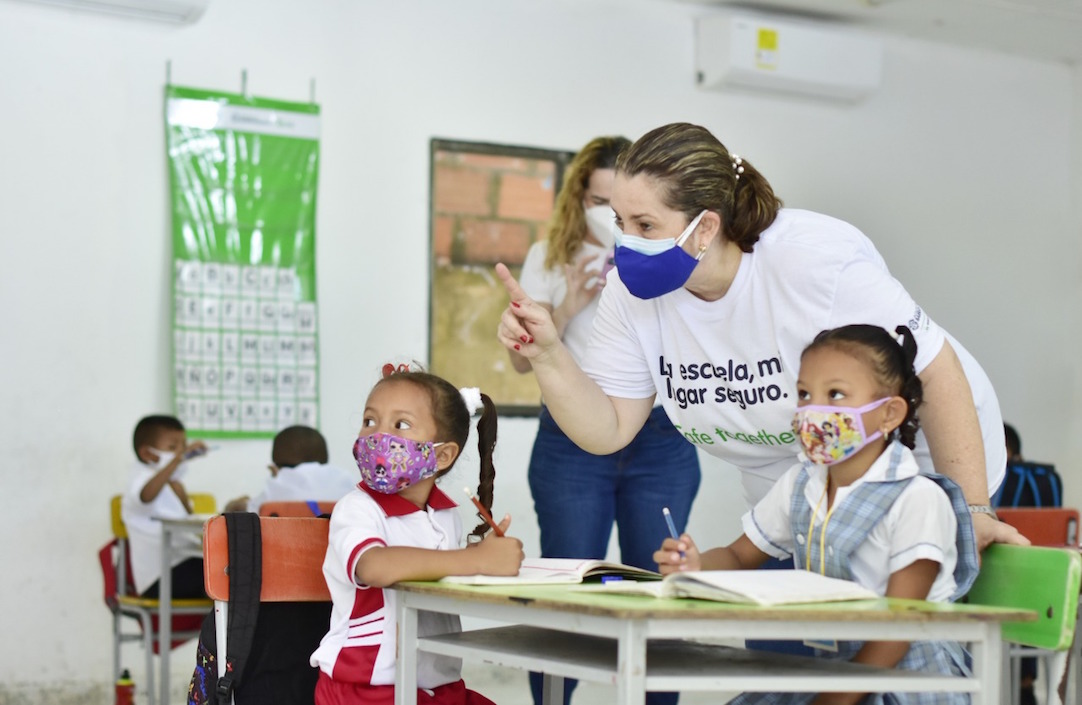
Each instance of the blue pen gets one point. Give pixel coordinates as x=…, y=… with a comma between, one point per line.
x=672, y=526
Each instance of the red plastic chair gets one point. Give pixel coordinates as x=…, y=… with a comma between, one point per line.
x=1043, y=526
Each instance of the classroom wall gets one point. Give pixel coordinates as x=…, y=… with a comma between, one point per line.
x=962, y=168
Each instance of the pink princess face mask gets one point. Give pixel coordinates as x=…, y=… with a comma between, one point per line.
x=389, y=464
x=830, y=434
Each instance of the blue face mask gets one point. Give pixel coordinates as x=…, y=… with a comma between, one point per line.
x=651, y=268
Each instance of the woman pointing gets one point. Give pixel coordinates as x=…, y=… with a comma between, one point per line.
x=717, y=289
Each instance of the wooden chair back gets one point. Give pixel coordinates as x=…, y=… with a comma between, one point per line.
x=293, y=553
x=1045, y=580
x=1043, y=526
x=295, y=509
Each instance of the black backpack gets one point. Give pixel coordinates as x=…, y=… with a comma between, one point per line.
x=268, y=644
x=1030, y=485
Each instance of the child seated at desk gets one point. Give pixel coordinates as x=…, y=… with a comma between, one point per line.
x=299, y=472
x=856, y=507
x=399, y=526
x=155, y=492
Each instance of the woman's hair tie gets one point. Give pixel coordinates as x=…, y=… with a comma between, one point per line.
x=737, y=162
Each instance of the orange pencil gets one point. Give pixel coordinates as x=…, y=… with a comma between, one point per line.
x=483, y=512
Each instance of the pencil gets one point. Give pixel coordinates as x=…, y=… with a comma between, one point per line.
x=672, y=527
x=483, y=512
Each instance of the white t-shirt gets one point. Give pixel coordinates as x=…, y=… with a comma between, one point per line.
x=144, y=529
x=549, y=286
x=360, y=645
x=919, y=525
x=726, y=370
x=307, y=482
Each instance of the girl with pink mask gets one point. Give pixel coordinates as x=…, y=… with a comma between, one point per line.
x=856, y=506
x=397, y=525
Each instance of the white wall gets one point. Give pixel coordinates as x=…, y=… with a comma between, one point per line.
x=962, y=168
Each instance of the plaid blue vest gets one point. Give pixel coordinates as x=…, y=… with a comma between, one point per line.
x=852, y=521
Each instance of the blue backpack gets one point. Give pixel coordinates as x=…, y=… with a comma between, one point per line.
x=1029, y=485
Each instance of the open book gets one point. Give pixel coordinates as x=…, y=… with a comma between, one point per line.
x=553, y=571
x=755, y=587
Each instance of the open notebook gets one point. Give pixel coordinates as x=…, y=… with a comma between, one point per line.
x=756, y=587
x=554, y=571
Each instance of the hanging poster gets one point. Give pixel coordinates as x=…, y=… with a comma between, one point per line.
x=243, y=174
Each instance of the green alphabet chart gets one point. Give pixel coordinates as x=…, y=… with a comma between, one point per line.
x=243, y=174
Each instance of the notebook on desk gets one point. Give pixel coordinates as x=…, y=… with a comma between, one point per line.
x=754, y=587
x=556, y=571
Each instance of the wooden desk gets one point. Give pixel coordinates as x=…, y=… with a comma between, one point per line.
x=642, y=644
x=191, y=525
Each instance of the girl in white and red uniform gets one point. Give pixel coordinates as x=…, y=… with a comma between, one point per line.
x=397, y=525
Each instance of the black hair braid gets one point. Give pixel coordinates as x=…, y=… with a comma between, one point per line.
x=912, y=389
x=486, y=444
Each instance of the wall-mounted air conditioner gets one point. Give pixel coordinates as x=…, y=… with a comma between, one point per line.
x=786, y=55
x=179, y=11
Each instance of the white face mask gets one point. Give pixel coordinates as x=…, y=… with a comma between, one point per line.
x=164, y=458
x=602, y=223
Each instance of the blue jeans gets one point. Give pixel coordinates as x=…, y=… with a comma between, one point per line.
x=578, y=496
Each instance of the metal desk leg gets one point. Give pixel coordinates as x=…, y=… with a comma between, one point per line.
x=989, y=658
x=552, y=690
x=406, y=661
x=631, y=664
x=165, y=612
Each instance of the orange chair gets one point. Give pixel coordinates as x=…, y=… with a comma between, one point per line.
x=295, y=509
x=293, y=549
x=1043, y=526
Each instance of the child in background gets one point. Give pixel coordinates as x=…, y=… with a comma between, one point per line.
x=399, y=526
x=299, y=472
x=154, y=492
x=856, y=507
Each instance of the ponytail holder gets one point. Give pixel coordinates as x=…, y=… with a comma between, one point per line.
x=472, y=397
x=737, y=162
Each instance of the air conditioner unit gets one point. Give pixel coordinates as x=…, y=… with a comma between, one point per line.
x=784, y=55
x=178, y=11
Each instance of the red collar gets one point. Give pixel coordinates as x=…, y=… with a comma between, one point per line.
x=395, y=506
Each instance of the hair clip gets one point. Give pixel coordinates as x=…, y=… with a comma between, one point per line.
x=737, y=161
x=472, y=398
x=390, y=369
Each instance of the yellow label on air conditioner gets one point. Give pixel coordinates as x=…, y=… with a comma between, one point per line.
x=766, y=50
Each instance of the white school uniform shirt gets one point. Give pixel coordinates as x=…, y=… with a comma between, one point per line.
x=919, y=525
x=726, y=370
x=360, y=644
x=145, y=531
x=307, y=482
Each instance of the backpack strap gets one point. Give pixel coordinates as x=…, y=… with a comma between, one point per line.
x=245, y=582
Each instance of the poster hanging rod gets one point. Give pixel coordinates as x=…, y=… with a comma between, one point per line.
x=243, y=82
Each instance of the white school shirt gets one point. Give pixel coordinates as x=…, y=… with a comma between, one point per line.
x=726, y=370
x=145, y=531
x=549, y=286
x=360, y=644
x=307, y=482
x=919, y=525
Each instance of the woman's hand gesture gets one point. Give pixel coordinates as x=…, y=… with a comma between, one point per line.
x=526, y=327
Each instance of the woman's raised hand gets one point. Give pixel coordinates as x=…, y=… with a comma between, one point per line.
x=525, y=327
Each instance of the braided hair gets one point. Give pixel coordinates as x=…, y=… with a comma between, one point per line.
x=890, y=359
